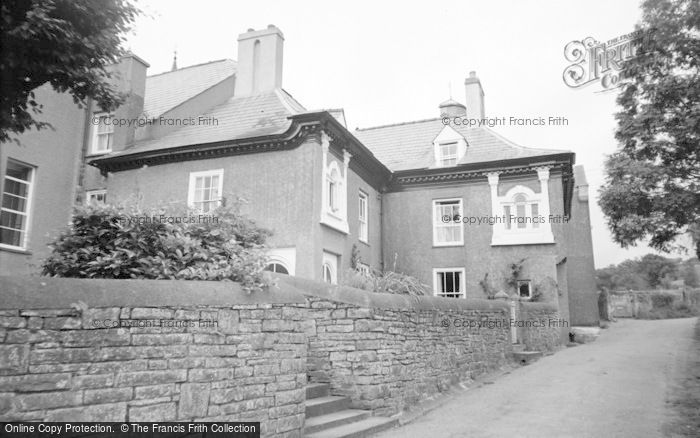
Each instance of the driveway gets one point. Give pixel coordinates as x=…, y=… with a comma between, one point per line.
x=614, y=387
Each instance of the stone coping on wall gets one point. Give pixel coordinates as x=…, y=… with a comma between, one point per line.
x=34, y=292
x=547, y=307
x=367, y=299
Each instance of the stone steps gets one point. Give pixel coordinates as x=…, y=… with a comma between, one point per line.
x=316, y=390
x=328, y=416
x=339, y=418
x=326, y=405
x=360, y=429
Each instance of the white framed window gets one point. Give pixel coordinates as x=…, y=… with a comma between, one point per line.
x=102, y=133
x=277, y=267
x=363, y=231
x=363, y=269
x=282, y=260
x=96, y=197
x=447, y=222
x=329, y=268
x=521, y=213
x=205, y=190
x=524, y=289
x=327, y=273
x=17, y=192
x=447, y=154
x=449, y=282
x=334, y=198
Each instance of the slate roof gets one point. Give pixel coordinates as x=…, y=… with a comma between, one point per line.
x=408, y=146
x=238, y=118
x=167, y=90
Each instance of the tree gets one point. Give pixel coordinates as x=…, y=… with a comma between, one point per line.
x=655, y=268
x=67, y=43
x=652, y=189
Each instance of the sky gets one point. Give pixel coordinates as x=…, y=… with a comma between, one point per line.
x=390, y=62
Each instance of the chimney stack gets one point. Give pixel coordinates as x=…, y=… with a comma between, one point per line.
x=130, y=79
x=259, y=61
x=475, y=97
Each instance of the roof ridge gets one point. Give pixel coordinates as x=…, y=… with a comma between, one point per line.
x=288, y=101
x=191, y=66
x=398, y=124
x=519, y=146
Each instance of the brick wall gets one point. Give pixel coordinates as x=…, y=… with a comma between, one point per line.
x=388, y=352
x=546, y=326
x=225, y=355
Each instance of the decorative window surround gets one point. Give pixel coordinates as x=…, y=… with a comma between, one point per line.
x=449, y=282
x=443, y=144
x=334, y=206
x=540, y=233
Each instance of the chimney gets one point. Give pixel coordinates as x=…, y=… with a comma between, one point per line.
x=452, y=109
x=475, y=97
x=130, y=78
x=259, y=61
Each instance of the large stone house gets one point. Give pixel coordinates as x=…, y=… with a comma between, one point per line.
x=427, y=198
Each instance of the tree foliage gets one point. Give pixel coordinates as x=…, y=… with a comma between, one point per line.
x=66, y=43
x=125, y=242
x=652, y=188
x=649, y=272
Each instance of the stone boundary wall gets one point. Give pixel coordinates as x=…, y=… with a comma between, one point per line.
x=388, y=352
x=145, y=350
x=544, y=332
x=220, y=354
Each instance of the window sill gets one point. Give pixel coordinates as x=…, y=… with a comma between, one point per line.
x=447, y=245
x=335, y=223
x=93, y=154
x=15, y=249
x=545, y=238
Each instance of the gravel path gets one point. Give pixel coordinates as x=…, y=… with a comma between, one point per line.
x=614, y=387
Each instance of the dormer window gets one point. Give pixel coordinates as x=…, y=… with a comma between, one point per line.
x=450, y=147
x=447, y=154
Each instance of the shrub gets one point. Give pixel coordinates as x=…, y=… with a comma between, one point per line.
x=388, y=282
x=122, y=243
x=661, y=300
